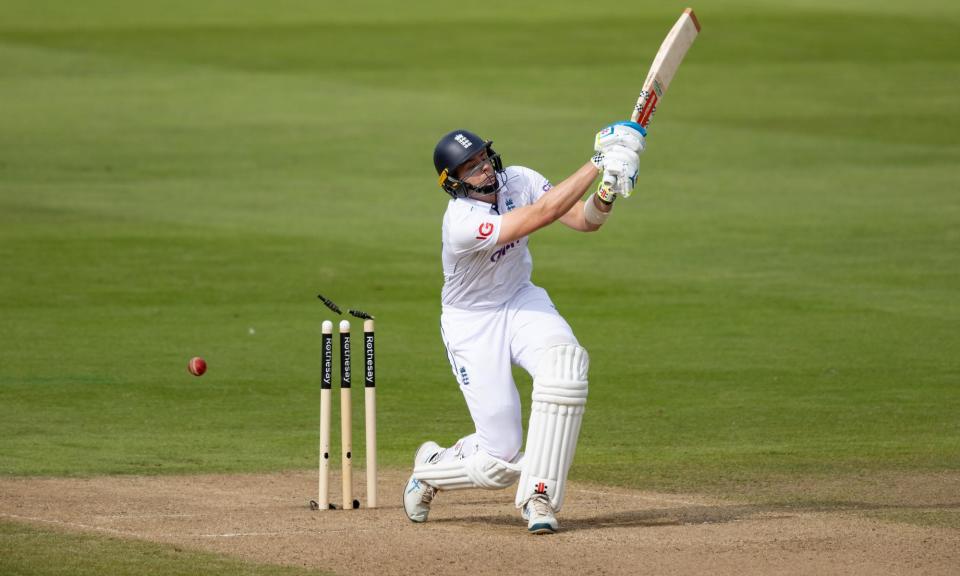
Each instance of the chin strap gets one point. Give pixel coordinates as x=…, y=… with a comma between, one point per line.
x=494, y=189
x=485, y=190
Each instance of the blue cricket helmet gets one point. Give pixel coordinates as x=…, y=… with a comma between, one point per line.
x=452, y=151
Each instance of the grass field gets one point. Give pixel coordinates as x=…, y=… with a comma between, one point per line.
x=781, y=297
x=86, y=555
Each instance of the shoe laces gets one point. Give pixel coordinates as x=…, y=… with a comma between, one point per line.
x=541, y=505
x=428, y=493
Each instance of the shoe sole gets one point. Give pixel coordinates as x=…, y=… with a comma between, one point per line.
x=541, y=529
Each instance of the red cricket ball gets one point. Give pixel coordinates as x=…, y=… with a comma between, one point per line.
x=197, y=366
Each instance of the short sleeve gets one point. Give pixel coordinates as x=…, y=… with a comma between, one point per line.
x=539, y=185
x=472, y=231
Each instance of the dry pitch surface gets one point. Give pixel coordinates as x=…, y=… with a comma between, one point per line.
x=266, y=519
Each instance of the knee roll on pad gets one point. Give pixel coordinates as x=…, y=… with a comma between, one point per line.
x=559, y=398
x=480, y=470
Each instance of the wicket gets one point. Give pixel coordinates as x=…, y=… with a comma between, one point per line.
x=370, y=404
x=326, y=380
x=346, y=424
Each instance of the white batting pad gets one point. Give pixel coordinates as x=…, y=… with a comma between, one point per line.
x=559, y=398
x=480, y=470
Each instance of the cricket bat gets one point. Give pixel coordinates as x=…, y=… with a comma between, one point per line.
x=662, y=71
x=665, y=64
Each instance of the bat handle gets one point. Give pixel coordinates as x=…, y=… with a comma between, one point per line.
x=608, y=180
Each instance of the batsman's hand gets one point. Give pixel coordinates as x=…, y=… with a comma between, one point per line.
x=618, y=147
x=628, y=134
x=620, y=167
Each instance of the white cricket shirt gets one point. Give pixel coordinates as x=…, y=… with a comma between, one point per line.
x=477, y=271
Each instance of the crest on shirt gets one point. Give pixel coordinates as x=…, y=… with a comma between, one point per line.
x=509, y=204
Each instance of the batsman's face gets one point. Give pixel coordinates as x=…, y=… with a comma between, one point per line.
x=477, y=171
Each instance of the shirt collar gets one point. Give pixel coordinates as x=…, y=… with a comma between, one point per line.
x=480, y=203
x=495, y=206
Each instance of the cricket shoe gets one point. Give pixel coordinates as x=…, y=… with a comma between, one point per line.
x=539, y=515
x=418, y=495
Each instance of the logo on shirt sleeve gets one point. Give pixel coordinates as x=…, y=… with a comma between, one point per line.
x=485, y=230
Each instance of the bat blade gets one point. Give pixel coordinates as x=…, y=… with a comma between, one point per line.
x=665, y=64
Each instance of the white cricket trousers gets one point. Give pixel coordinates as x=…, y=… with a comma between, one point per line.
x=482, y=346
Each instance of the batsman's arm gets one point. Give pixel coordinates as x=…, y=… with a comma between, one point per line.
x=549, y=208
x=576, y=218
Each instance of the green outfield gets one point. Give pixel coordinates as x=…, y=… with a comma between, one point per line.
x=780, y=297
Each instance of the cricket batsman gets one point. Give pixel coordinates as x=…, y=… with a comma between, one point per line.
x=494, y=317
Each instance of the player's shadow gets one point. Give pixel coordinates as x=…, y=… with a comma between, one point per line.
x=651, y=518
x=693, y=514
x=679, y=516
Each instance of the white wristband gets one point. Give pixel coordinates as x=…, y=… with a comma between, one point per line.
x=592, y=214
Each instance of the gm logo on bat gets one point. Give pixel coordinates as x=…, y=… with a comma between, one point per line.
x=485, y=230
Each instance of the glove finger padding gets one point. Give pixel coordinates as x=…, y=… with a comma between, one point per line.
x=620, y=168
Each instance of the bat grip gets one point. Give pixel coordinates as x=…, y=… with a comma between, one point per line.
x=608, y=180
